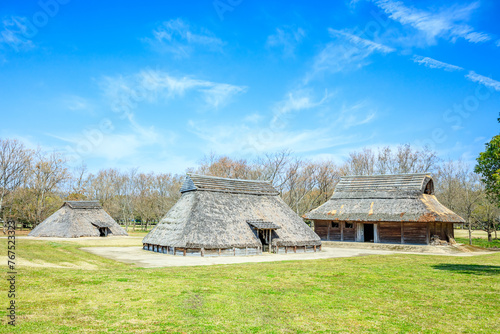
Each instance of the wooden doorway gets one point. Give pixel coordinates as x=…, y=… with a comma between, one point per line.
x=369, y=232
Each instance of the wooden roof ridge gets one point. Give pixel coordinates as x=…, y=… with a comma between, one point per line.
x=82, y=204
x=196, y=182
x=414, y=182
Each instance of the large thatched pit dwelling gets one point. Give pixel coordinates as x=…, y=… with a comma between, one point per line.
x=219, y=216
x=384, y=209
x=79, y=219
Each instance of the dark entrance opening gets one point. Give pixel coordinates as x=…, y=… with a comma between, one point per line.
x=368, y=231
x=103, y=231
x=263, y=240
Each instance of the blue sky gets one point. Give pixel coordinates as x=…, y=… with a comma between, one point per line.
x=161, y=84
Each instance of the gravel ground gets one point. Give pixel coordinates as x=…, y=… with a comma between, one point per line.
x=148, y=259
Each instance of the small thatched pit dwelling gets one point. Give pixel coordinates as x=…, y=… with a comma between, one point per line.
x=219, y=216
x=384, y=209
x=77, y=219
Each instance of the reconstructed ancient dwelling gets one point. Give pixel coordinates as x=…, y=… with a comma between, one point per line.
x=386, y=209
x=79, y=219
x=218, y=216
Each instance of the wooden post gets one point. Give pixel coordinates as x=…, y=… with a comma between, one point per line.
x=184, y=251
x=402, y=233
x=375, y=233
x=219, y=251
x=295, y=249
x=314, y=248
x=270, y=245
x=202, y=251
x=341, y=231
x=427, y=233
x=174, y=251
x=328, y=233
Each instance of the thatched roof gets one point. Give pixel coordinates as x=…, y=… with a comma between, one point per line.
x=214, y=213
x=77, y=219
x=388, y=198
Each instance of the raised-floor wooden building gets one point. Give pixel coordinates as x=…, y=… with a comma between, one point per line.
x=226, y=217
x=384, y=209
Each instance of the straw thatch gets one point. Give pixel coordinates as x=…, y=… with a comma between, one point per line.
x=386, y=198
x=220, y=213
x=78, y=219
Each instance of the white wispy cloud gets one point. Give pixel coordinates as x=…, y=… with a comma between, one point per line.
x=361, y=42
x=448, y=23
x=153, y=85
x=497, y=43
x=243, y=139
x=347, y=52
x=433, y=63
x=488, y=82
x=178, y=37
x=296, y=101
x=287, y=39
x=15, y=33
x=355, y=115
x=76, y=103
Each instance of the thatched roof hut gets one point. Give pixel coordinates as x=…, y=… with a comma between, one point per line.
x=220, y=216
x=78, y=219
x=384, y=208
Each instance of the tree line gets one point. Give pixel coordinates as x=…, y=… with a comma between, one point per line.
x=34, y=184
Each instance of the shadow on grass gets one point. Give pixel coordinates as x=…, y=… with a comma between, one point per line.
x=471, y=269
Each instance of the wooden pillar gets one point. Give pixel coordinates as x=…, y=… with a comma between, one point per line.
x=270, y=241
x=328, y=233
x=375, y=233
x=427, y=233
x=359, y=232
x=184, y=251
x=295, y=249
x=202, y=250
x=341, y=231
x=314, y=248
x=402, y=233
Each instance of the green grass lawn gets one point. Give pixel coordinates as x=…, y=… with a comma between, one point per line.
x=480, y=242
x=372, y=294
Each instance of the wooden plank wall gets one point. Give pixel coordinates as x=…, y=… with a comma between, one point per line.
x=325, y=231
x=415, y=233
x=390, y=232
x=350, y=233
x=321, y=228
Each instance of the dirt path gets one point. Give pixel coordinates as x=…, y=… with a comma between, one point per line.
x=148, y=259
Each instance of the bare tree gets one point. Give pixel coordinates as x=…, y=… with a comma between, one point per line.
x=15, y=162
x=48, y=172
x=404, y=159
